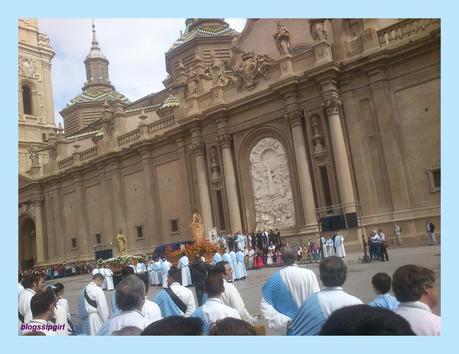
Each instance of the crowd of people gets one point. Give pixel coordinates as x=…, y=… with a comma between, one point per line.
x=292, y=301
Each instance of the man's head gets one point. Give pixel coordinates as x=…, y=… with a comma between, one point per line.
x=42, y=304
x=332, y=271
x=130, y=294
x=175, y=326
x=224, y=269
x=174, y=276
x=35, y=282
x=288, y=255
x=381, y=283
x=126, y=271
x=214, y=285
x=414, y=283
x=127, y=331
x=232, y=327
x=365, y=320
x=98, y=279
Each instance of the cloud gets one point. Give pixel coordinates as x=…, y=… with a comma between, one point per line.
x=135, y=49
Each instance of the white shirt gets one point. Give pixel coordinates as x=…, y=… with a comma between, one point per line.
x=301, y=283
x=232, y=298
x=24, y=304
x=423, y=322
x=132, y=318
x=215, y=310
x=97, y=294
x=186, y=295
x=151, y=311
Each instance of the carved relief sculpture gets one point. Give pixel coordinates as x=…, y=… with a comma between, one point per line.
x=271, y=185
x=214, y=166
x=34, y=158
x=217, y=71
x=282, y=38
x=27, y=68
x=317, y=29
x=317, y=137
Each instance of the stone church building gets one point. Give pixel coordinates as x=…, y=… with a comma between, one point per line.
x=291, y=123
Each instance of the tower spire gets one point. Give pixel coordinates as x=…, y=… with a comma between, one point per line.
x=94, y=43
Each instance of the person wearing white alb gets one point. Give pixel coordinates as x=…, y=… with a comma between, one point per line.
x=415, y=289
x=33, y=284
x=109, y=279
x=184, y=266
x=231, y=296
x=93, y=305
x=214, y=309
x=285, y=291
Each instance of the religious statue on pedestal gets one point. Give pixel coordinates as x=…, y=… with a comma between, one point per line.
x=121, y=239
x=197, y=228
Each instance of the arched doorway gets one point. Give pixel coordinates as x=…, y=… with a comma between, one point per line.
x=27, y=243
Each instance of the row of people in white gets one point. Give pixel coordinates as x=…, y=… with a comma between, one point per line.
x=331, y=244
x=108, y=277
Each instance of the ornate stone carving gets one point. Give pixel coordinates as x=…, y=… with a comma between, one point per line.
x=282, y=38
x=33, y=155
x=271, y=185
x=43, y=41
x=217, y=71
x=317, y=137
x=27, y=208
x=28, y=68
x=317, y=29
x=332, y=104
x=225, y=140
x=295, y=117
x=251, y=69
x=198, y=148
x=215, y=173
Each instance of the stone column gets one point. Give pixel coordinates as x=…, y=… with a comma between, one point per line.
x=203, y=186
x=118, y=219
x=58, y=223
x=82, y=220
x=39, y=235
x=187, y=197
x=150, y=218
x=295, y=118
x=230, y=183
x=332, y=104
x=50, y=229
x=107, y=232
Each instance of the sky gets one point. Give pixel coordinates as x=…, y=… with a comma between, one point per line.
x=135, y=49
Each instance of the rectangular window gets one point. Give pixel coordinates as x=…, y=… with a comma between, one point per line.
x=74, y=242
x=325, y=186
x=434, y=179
x=139, y=230
x=98, y=239
x=43, y=137
x=221, y=213
x=174, y=225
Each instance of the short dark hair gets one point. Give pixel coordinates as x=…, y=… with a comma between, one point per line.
x=98, y=276
x=127, y=331
x=146, y=280
x=220, y=267
x=232, y=327
x=410, y=281
x=30, y=279
x=381, y=282
x=58, y=287
x=214, y=285
x=40, y=302
x=130, y=292
x=365, y=320
x=126, y=271
x=175, y=326
x=288, y=255
x=175, y=274
x=332, y=271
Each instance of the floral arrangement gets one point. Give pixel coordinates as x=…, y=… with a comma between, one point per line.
x=120, y=261
x=205, y=248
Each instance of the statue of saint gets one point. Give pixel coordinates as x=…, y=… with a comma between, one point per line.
x=282, y=38
x=197, y=228
x=121, y=239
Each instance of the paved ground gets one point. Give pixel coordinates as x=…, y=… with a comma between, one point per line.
x=358, y=280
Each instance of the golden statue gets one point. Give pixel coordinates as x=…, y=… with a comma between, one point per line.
x=197, y=228
x=121, y=239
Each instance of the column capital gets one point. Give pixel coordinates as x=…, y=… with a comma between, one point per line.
x=198, y=148
x=332, y=104
x=37, y=203
x=225, y=140
x=295, y=117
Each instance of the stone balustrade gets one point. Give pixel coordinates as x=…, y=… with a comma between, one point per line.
x=402, y=30
x=89, y=153
x=69, y=161
x=129, y=138
x=161, y=125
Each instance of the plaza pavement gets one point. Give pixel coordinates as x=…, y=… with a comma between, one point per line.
x=358, y=280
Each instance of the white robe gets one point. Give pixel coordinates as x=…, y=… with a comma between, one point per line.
x=165, y=266
x=330, y=249
x=227, y=258
x=214, y=310
x=98, y=316
x=104, y=284
x=324, y=247
x=151, y=311
x=301, y=283
x=422, y=321
x=24, y=304
x=184, y=266
x=232, y=298
x=339, y=244
x=186, y=295
x=109, y=278
x=132, y=318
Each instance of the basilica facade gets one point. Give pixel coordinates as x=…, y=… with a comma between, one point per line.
x=288, y=124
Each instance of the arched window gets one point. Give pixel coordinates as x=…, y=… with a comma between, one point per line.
x=27, y=99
